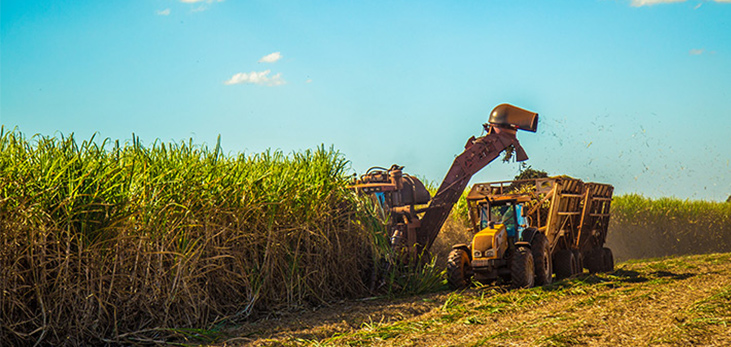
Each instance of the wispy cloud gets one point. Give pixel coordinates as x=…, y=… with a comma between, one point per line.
x=271, y=58
x=696, y=51
x=640, y=3
x=165, y=12
x=260, y=78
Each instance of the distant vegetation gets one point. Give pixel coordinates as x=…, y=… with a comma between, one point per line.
x=644, y=228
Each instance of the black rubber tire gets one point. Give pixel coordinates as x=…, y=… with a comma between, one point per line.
x=595, y=261
x=459, y=269
x=608, y=259
x=564, y=263
x=542, y=259
x=579, y=262
x=522, y=271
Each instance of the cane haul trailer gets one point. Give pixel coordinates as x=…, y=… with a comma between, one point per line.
x=527, y=230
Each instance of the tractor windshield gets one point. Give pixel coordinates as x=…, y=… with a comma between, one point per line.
x=504, y=214
x=501, y=214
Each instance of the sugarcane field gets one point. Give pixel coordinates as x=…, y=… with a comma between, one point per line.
x=227, y=173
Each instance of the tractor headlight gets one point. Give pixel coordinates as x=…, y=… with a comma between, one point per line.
x=477, y=254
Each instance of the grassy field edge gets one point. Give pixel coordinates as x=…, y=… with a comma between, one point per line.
x=664, y=301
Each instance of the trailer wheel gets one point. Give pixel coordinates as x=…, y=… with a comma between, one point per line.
x=565, y=263
x=542, y=259
x=595, y=261
x=579, y=262
x=522, y=271
x=608, y=259
x=459, y=269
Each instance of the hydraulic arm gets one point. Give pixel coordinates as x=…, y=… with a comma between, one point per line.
x=477, y=154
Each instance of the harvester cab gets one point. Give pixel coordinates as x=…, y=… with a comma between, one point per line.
x=399, y=198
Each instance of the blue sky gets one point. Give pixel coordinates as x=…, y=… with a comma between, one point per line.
x=632, y=93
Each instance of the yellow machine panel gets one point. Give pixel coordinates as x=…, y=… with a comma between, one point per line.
x=490, y=242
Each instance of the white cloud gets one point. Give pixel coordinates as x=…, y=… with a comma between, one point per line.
x=260, y=78
x=271, y=58
x=639, y=3
x=165, y=12
x=696, y=52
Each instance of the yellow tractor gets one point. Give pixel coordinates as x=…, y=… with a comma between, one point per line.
x=528, y=229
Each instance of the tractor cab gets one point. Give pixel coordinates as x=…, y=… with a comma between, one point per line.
x=498, y=223
x=506, y=210
x=508, y=213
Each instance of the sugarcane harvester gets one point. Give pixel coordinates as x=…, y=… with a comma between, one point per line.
x=414, y=218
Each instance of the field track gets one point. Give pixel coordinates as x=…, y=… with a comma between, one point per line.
x=661, y=302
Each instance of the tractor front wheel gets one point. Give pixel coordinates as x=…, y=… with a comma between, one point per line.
x=459, y=269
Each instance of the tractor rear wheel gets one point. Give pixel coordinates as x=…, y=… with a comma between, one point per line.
x=565, y=263
x=522, y=271
x=608, y=259
x=459, y=269
x=542, y=259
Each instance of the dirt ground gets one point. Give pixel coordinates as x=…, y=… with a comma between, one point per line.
x=667, y=302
